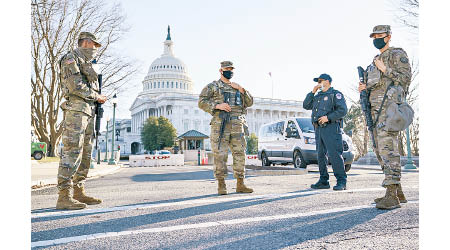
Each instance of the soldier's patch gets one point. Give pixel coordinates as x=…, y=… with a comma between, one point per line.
x=325, y=98
x=339, y=96
x=70, y=61
x=404, y=60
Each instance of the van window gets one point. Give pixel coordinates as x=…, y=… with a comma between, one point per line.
x=273, y=129
x=305, y=125
x=278, y=129
x=291, y=125
x=264, y=131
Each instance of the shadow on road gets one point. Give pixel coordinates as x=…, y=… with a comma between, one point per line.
x=195, y=175
x=147, y=220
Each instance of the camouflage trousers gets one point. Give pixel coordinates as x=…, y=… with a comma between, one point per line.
x=387, y=152
x=77, y=137
x=233, y=139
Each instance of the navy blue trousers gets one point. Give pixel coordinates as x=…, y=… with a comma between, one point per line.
x=329, y=141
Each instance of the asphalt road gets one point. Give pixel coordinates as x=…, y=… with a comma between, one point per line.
x=178, y=208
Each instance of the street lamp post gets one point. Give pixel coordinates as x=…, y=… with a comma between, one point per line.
x=98, y=152
x=112, y=160
x=106, y=140
x=409, y=164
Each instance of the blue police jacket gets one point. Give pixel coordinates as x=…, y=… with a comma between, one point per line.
x=330, y=103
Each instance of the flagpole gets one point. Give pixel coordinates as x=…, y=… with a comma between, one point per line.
x=270, y=74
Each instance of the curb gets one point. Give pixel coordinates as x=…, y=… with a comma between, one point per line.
x=54, y=181
x=276, y=172
x=378, y=167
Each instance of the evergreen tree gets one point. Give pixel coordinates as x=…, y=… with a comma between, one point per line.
x=158, y=133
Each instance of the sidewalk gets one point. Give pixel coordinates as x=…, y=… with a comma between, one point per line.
x=378, y=167
x=43, y=174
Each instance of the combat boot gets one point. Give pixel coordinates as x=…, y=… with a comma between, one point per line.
x=222, y=187
x=379, y=199
x=400, y=194
x=340, y=186
x=241, y=188
x=321, y=185
x=66, y=202
x=390, y=201
x=80, y=195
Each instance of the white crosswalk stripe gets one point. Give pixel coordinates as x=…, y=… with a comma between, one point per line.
x=204, y=225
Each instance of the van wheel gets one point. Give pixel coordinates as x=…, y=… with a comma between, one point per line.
x=265, y=161
x=348, y=167
x=38, y=155
x=299, y=162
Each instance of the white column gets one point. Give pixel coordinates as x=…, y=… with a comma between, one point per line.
x=141, y=119
x=145, y=115
x=132, y=124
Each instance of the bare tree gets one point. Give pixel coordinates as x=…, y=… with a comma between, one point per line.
x=414, y=136
x=407, y=13
x=355, y=122
x=55, y=26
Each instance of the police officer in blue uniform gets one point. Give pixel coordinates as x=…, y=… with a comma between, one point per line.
x=328, y=108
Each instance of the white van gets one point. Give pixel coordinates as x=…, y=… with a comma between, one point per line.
x=292, y=140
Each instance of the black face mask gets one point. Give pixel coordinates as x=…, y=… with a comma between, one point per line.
x=379, y=43
x=227, y=74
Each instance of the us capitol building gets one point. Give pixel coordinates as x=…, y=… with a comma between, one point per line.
x=167, y=91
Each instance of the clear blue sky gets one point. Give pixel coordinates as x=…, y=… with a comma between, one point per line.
x=295, y=40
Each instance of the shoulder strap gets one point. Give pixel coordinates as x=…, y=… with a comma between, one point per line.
x=381, y=106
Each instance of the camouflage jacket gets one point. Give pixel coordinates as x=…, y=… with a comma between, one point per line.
x=79, y=83
x=212, y=95
x=398, y=72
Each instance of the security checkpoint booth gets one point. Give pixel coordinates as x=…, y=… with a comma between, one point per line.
x=190, y=143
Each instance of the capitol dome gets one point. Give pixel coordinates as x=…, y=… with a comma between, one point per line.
x=167, y=73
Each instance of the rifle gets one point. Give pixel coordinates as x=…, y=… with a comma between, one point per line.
x=225, y=116
x=98, y=113
x=365, y=104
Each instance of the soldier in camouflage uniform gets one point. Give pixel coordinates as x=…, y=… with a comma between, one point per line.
x=80, y=89
x=211, y=100
x=390, y=68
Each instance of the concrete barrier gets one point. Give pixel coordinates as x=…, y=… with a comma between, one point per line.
x=156, y=160
x=251, y=160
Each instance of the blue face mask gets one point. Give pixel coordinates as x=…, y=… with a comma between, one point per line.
x=379, y=43
x=227, y=74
